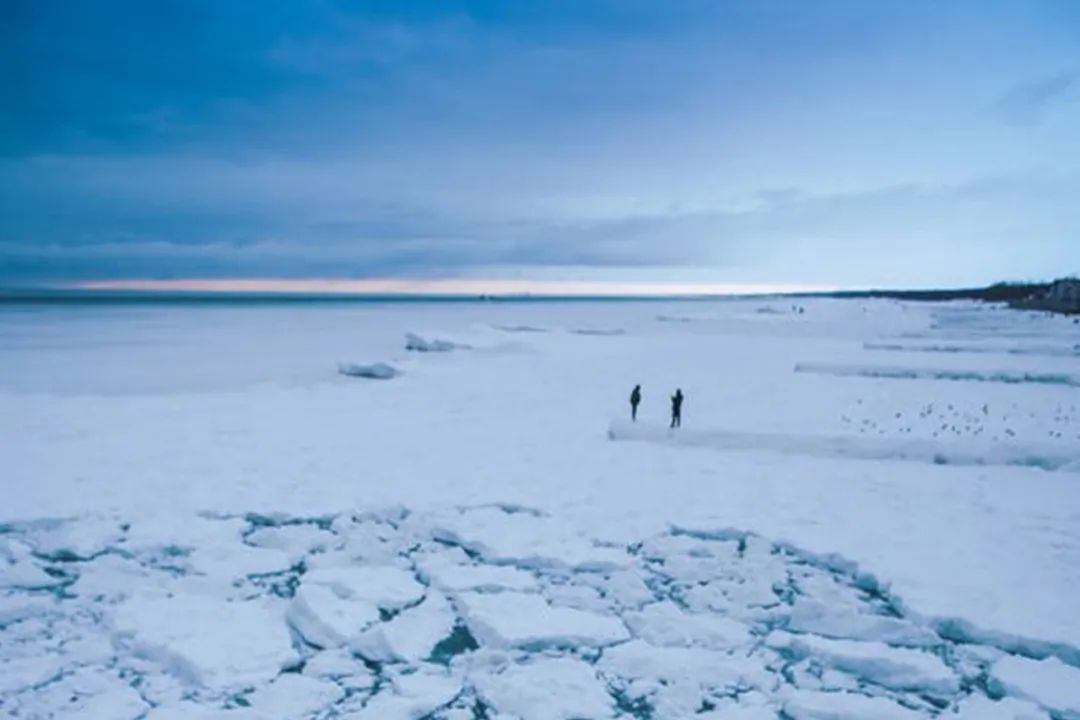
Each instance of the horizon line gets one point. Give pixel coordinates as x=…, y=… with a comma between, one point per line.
x=443, y=287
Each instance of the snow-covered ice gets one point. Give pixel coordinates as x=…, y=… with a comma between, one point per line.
x=1050, y=683
x=548, y=689
x=811, y=705
x=527, y=620
x=870, y=512
x=874, y=662
x=325, y=619
x=207, y=641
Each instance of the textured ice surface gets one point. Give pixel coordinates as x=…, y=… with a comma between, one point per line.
x=809, y=705
x=326, y=619
x=207, y=641
x=389, y=615
x=526, y=620
x=454, y=577
x=1051, y=683
x=547, y=689
x=411, y=635
x=892, y=667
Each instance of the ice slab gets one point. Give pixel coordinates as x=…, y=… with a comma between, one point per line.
x=813, y=705
x=525, y=620
x=453, y=577
x=409, y=636
x=390, y=588
x=326, y=619
x=980, y=707
x=374, y=371
x=547, y=689
x=78, y=540
x=205, y=640
x=527, y=539
x=1051, y=683
x=819, y=618
x=291, y=696
x=891, y=667
x=666, y=624
x=410, y=697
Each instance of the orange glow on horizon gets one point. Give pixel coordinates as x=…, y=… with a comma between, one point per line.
x=463, y=286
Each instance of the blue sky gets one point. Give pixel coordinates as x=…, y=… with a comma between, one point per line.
x=835, y=143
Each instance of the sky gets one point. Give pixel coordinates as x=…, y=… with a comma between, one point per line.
x=735, y=143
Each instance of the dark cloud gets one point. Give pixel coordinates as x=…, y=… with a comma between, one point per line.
x=346, y=138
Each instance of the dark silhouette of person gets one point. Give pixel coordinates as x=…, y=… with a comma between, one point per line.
x=635, y=400
x=676, y=408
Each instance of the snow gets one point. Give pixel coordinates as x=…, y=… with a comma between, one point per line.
x=1051, y=683
x=906, y=512
x=526, y=620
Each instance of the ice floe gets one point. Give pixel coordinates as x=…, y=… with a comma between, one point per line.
x=472, y=613
x=374, y=371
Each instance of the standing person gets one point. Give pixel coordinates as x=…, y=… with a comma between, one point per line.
x=635, y=400
x=676, y=408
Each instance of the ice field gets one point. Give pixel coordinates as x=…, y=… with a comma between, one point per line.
x=442, y=510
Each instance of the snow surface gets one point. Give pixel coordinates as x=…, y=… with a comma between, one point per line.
x=886, y=491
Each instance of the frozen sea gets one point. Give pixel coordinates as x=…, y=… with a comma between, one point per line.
x=441, y=510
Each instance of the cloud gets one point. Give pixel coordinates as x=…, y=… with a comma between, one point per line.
x=893, y=235
x=193, y=137
x=1025, y=104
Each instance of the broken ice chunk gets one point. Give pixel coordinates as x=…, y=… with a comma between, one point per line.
x=665, y=624
x=409, y=636
x=292, y=696
x=980, y=707
x=525, y=620
x=811, y=616
x=547, y=689
x=324, y=619
x=207, y=641
x=453, y=577
x=389, y=588
x=1050, y=683
x=891, y=667
x=79, y=539
x=813, y=705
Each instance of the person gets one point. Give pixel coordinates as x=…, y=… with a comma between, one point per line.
x=635, y=400
x=676, y=408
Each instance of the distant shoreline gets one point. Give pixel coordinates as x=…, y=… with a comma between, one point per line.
x=1016, y=294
